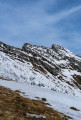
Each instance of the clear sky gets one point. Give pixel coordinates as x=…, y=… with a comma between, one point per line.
x=41, y=22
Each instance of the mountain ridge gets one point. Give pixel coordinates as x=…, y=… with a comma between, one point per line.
x=56, y=68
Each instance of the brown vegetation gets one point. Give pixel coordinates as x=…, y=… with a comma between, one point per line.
x=14, y=107
x=73, y=108
x=43, y=99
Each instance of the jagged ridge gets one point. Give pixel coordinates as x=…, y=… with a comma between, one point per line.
x=56, y=68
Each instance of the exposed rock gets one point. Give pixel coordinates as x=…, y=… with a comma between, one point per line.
x=56, y=63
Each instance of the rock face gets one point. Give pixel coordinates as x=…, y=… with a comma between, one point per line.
x=56, y=68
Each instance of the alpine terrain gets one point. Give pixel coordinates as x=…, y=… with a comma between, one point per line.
x=53, y=73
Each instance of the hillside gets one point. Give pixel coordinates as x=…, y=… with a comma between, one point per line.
x=68, y=106
x=55, y=68
x=44, y=81
x=15, y=107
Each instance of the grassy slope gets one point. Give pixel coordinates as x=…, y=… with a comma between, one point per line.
x=14, y=107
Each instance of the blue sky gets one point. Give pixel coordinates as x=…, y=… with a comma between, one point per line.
x=41, y=22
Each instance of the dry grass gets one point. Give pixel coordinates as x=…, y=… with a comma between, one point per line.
x=43, y=99
x=73, y=108
x=14, y=107
x=4, y=78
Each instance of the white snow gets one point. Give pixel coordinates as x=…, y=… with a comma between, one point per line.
x=25, y=72
x=69, y=73
x=58, y=101
x=35, y=116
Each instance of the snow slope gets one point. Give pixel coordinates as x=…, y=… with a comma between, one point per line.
x=56, y=70
x=58, y=101
x=25, y=72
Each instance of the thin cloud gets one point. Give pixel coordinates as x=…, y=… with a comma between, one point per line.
x=34, y=24
x=63, y=14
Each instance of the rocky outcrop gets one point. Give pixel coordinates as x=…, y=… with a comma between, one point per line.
x=59, y=62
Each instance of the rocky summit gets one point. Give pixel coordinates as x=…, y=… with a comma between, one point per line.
x=55, y=68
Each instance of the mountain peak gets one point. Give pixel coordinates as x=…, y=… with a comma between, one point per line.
x=55, y=68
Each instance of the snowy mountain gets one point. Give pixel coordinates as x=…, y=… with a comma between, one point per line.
x=55, y=68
